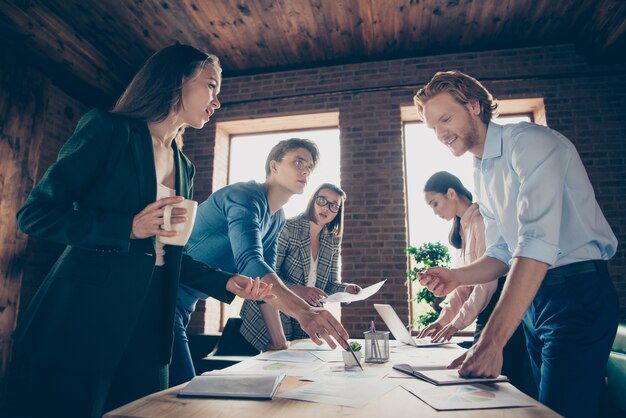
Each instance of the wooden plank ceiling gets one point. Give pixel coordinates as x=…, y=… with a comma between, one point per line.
x=95, y=46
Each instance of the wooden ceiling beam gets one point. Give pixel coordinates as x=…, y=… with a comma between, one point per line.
x=43, y=32
x=101, y=44
x=608, y=36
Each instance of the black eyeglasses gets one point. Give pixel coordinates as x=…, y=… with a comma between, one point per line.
x=322, y=201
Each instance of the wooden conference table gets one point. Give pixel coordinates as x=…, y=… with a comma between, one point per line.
x=397, y=403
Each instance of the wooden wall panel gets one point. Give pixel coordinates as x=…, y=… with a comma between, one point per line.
x=22, y=111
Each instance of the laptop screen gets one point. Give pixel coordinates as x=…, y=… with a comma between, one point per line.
x=394, y=323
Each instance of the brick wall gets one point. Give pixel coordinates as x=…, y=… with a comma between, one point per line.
x=586, y=102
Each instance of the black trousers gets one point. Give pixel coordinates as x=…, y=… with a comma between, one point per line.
x=515, y=356
x=140, y=371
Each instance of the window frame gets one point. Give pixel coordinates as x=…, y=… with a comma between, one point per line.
x=534, y=108
x=224, y=132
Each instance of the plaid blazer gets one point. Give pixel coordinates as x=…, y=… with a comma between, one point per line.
x=292, y=266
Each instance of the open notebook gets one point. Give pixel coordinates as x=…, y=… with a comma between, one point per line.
x=445, y=376
x=243, y=386
x=399, y=331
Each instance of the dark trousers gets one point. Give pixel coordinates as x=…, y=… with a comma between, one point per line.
x=141, y=370
x=570, y=327
x=181, y=368
x=483, y=317
x=83, y=380
x=515, y=357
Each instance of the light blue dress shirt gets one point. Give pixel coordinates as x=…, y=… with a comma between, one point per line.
x=536, y=198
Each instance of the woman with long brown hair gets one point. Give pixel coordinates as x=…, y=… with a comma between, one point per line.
x=98, y=333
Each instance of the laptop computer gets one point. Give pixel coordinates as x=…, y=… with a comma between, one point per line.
x=399, y=331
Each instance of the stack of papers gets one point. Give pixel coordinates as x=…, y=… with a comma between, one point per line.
x=244, y=386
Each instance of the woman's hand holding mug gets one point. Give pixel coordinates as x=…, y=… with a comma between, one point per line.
x=149, y=221
x=172, y=221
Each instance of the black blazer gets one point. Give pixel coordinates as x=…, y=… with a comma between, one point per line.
x=84, y=313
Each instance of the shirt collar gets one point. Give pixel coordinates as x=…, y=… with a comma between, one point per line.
x=493, y=144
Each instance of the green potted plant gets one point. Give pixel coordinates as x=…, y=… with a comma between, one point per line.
x=427, y=255
x=348, y=358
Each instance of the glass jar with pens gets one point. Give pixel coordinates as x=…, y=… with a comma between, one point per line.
x=376, y=345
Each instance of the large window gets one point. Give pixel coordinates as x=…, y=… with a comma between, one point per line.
x=248, y=153
x=425, y=155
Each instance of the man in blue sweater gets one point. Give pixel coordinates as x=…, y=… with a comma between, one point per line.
x=236, y=230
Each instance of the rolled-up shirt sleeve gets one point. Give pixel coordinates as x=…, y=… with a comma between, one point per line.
x=494, y=241
x=535, y=193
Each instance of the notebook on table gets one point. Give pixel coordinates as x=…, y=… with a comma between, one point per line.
x=445, y=376
x=399, y=331
x=242, y=386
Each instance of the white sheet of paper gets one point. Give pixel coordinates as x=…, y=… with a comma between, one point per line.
x=334, y=371
x=422, y=343
x=345, y=392
x=349, y=297
x=289, y=368
x=310, y=346
x=450, y=351
x=289, y=356
x=334, y=356
x=459, y=397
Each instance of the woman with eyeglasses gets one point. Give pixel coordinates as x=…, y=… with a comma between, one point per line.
x=308, y=256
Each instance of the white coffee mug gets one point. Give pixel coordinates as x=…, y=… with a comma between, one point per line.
x=183, y=229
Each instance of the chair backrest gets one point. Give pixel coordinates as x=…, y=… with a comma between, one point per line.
x=616, y=369
x=232, y=343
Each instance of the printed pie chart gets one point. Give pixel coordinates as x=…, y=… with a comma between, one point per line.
x=464, y=394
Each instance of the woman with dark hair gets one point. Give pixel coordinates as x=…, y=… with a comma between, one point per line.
x=98, y=333
x=307, y=262
x=449, y=199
